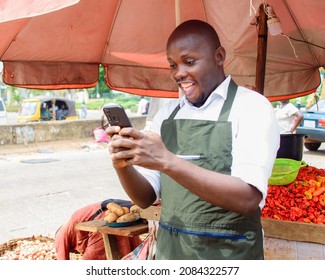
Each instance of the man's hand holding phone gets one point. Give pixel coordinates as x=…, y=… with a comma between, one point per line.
x=144, y=149
x=117, y=120
x=121, y=141
x=129, y=146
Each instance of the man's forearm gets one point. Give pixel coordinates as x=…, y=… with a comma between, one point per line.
x=136, y=186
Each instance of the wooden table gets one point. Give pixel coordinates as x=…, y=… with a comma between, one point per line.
x=109, y=234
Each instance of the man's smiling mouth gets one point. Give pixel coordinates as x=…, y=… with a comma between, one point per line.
x=186, y=86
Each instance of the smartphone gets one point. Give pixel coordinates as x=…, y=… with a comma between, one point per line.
x=116, y=115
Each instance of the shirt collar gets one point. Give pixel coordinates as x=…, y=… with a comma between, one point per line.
x=220, y=91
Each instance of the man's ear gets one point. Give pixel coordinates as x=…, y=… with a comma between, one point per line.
x=220, y=55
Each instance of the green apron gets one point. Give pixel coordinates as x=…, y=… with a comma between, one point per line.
x=189, y=227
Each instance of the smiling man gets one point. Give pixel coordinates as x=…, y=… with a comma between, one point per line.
x=199, y=71
x=208, y=157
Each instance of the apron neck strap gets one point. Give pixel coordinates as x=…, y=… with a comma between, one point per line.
x=225, y=111
x=173, y=114
x=232, y=89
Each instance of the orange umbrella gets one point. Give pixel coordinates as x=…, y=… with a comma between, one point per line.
x=62, y=44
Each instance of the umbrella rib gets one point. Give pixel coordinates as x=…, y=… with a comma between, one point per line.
x=301, y=33
x=20, y=29
x=110, y=31
x=204, y=10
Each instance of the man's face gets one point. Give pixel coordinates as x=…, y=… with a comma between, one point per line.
x=195, y=67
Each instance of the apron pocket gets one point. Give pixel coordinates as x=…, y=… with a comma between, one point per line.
x=188, y=244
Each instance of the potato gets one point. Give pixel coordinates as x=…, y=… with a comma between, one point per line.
x=111, y=217
x=126, y=210
x=135, y=209
x=130, y=217
x=113, y=207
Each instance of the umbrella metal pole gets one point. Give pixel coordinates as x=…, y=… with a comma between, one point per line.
x=261, y=50
x=178, y=21
x=177, y=12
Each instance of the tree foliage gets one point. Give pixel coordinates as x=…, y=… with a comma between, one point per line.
x=101, y=90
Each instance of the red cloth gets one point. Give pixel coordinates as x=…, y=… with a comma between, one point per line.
x=90, y=244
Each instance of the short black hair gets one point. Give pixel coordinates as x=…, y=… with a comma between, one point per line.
x=197, y=27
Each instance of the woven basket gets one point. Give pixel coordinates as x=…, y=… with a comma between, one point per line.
x=75, y=256
x=12, y=244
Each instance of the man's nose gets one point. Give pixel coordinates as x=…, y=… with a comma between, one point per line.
x=180, y=73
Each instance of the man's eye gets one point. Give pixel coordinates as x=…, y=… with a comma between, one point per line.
x=172, y=66
x=190, y=62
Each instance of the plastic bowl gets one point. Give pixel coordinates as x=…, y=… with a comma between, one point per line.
x=285, y=171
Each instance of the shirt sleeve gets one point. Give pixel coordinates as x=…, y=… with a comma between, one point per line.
x=292, y=109
x=153, y=176
x=255, y=144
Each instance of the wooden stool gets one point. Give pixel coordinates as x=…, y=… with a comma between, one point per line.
x=109, y=234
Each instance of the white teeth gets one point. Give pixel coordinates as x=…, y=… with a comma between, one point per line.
x=185, y=85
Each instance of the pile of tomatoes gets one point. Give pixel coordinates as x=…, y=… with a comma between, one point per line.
x=303, y=200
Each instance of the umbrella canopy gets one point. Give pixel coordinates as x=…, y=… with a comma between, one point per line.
x=62, y=45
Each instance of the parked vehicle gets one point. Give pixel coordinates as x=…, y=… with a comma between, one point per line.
x=46, y=109
x=3, y=113
x=313, y=125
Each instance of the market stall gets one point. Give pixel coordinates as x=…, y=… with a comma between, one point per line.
x=294, y=217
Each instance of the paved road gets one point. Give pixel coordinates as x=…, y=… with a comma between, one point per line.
x=41, y=186
x=315, y=158
x=40, y=189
